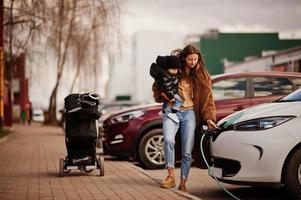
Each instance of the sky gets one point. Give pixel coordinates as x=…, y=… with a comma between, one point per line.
x=143, y=20
x=197, y=16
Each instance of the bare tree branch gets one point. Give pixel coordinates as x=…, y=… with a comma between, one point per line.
x=76, y=31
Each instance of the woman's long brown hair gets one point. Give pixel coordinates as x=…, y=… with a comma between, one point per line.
x=195, y=72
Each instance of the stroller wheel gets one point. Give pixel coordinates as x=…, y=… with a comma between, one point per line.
x=61, y=169
x=101, y=166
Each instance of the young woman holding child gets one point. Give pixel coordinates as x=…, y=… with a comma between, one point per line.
x=197, y=108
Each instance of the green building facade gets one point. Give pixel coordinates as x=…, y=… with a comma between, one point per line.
x=215, y=47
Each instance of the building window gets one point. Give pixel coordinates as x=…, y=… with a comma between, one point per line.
x=280, y=68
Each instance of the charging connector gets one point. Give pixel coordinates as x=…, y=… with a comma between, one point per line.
x=213, y=133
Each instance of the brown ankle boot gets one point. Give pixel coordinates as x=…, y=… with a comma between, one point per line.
x=183, y=188
x=170, y=182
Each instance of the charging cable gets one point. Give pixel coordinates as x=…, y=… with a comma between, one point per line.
x=211, y=172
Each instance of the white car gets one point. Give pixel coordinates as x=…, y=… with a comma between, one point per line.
x=38, y=115
x=261, y=145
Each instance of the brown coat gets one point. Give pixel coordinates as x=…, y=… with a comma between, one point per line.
x=203, y=106
x=202, y=96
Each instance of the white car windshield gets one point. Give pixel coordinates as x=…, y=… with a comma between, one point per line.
x=294, y=96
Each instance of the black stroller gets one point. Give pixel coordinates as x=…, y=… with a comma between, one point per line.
x=82, y=114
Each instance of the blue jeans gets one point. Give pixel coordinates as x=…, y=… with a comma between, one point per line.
x=178, y=102
x=187, y=126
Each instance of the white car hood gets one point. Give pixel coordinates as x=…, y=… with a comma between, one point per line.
x=264, y=110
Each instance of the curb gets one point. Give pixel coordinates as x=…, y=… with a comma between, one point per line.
x=189, y=196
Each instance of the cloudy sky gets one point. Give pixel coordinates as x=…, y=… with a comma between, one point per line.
x=179, y=18
x=197, y=16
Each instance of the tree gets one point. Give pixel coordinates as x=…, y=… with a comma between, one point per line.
x=73, y=29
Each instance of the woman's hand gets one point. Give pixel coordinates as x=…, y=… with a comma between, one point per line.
x=173, y=100
x=211, y=124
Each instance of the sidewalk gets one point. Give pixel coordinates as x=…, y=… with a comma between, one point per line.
x=29, y=170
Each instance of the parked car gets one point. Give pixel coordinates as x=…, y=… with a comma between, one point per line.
x=137, y=132
x=107, y=108
x=38, y=115
x=262, y=145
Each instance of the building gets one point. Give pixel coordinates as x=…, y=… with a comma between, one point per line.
x=219, y=48
x=130, y=77
x=284, y=60
x=20, y=88
x=19, y=98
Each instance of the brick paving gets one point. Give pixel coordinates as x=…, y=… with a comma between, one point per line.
x=29, y=170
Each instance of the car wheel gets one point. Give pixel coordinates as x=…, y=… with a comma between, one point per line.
x=292, y=174
x=150, y=150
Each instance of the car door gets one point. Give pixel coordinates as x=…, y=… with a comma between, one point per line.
x=230, y=95
x=268, y=89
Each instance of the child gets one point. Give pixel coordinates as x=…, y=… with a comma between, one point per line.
x=165, y=71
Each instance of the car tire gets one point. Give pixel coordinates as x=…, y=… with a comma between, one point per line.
x=292, y=174
x=150, y=149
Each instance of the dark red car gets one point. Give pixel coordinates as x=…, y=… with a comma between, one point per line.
x=137, y=131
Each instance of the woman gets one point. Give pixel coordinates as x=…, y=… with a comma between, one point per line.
x=197, y=109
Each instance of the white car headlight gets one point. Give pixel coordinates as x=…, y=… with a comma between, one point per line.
x=125, y=117
x=261, y=123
